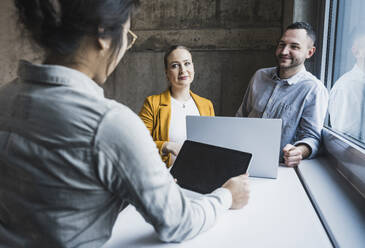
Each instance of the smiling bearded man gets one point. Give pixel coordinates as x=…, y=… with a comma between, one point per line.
x=290, y=93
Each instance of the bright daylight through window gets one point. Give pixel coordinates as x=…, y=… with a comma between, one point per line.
x=347, y=95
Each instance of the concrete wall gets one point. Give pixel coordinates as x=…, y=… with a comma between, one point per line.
x=13, y=44
x=230, y=39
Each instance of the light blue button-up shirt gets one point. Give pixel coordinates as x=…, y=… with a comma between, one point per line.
x=299, y=101
x=71, y=159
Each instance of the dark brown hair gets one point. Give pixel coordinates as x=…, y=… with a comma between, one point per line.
x=170, y=50
x=307, y=27
x=59, y=25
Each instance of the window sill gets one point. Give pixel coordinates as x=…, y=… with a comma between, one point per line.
x=339, y=206
x=348, y=158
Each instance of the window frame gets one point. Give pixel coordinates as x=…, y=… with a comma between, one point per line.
x=336, y=143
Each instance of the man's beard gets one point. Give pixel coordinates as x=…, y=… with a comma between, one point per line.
x=293, y=63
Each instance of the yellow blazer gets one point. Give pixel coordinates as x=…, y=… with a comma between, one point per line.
x=156, y=112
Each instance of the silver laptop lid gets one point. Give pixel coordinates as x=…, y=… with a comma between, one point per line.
x=261, y=137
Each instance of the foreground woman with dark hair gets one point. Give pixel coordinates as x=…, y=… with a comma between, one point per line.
x=71, y=159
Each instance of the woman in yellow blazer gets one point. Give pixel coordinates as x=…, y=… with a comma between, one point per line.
x=164, y=114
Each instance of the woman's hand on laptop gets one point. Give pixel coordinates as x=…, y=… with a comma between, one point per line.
x=240, y=190
x=171, y=147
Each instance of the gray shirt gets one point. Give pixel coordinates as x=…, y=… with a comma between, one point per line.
x=299, y=101
x=71, y=159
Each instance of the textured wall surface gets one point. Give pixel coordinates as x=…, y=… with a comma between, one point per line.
x=230, y=40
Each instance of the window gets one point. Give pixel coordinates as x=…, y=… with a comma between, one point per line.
x=347, y=95
x=344, y=75
x=335, y=183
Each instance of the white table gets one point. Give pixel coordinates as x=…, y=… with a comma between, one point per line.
x=279, y=214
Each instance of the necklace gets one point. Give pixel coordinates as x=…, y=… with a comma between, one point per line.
x=182, y=104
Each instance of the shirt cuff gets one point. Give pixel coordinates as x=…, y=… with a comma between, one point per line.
x=312, y=143
x=224, y=196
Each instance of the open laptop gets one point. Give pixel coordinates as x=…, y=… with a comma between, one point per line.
x=260, y=137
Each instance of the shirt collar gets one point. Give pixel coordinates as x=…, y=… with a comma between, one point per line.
x=292, y=80
x=58, y=75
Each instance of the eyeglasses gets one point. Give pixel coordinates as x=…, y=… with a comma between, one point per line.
x=132, y=37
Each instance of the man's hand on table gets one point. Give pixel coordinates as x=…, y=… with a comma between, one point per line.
x=294, y=154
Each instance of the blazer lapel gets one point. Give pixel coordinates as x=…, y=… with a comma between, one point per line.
x=202, y=110
x=164, y=114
